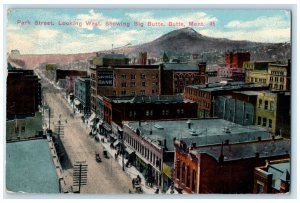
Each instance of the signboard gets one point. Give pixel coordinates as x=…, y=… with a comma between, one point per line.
x=105, y=78
x=167, y=170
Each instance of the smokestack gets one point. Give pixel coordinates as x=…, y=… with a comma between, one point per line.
x=189, y=125
x=151, y=132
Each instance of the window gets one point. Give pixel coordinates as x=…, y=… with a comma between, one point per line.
x=132, y=84
x=193, y=181
x=182, y=111
x=123, y=92
x=143, y=84
x=132, y=76
x=142, y=92
x=143, y=76
x=271, y=105
x=123, y=84
x=270, y=123
x=178, y=111
x=281, y=87
x=276, y=79
x=178, y=169
x=188, y=177
x=23, y=129
x=183, y=174
x=281, y=79
x=259, y=120
x=132, y=93
x=17, y=130
x=264, y=122
x=266, y=105
x=271, y=78
x=260, y=104
x=123, y=76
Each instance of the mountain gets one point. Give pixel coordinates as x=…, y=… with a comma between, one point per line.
x=181, y=42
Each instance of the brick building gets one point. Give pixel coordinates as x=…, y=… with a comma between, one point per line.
x=62, y=74
x=175, y=76
x=143, y=108
x=23, y=94
x=236, y=59
x=274, y=177
x=205, y=95
x=111, y=75
x=152, y=141
x=273, y=112
x=224, y=168
x=83, y=93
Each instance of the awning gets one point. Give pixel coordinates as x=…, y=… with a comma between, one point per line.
x=106, y=127
x=92, y=117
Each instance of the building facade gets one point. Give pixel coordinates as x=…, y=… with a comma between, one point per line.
x=273, y=112
x=236, y=59
x=23, y=94
x=205, y=95
x=83, y=93
x=223, y=168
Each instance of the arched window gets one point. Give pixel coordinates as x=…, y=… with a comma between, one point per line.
x=183, y=173
x=188, y=176
x=178, y=170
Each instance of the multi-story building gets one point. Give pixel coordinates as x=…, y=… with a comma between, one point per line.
x=23, y=94
x=256, y=65
x=274, y=177
x=111, y=75
x=205, y=95
x=152, y=141
x=277, y=76
x=273, y=112
x=83, y=93
x=236, y=59
x=239, y=107
x=224, y=168
x=175, y=76
x=143, y=108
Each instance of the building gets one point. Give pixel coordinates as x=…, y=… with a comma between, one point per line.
x=62, y=74
x=143, y=108
x=274, y=177
x=83, y=94
x=236, y=59
x=152, y=141
x=224, y=168
x=23, y=94
x=239, y=107
x=175, y=76
x=24, y=128
x=273, y=112
x=205, y=95
x=142, y=59
x=256, y=65
x=111, y=75
x=30, y=168
x=277, y=76
x=235, y=74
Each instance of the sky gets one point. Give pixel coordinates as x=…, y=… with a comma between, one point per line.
x=69, y=31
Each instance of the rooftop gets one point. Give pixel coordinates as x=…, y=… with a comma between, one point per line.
x=111, y=56
x=29, y=167
x=179, y=66
x=150, y=99
x=201, y=131
x=226, y=86
x=233, y=152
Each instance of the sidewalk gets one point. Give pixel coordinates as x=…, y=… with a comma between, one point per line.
x=131, y=171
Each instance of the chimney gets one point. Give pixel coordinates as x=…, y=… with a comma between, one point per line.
x=140, y=123
x=259, y=138
x=165, y=143
x=151, y=132
x=189, y=125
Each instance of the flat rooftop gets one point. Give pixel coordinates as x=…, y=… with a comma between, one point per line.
x=150, y=99
x=29, y=167
x=233, y=152
x=226, y=86
x=202, y=131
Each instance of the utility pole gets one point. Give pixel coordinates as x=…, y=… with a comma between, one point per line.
x=80, y=175
x=49, y=117
x=120, y=131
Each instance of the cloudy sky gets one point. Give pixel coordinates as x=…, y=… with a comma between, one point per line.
x=69, y=30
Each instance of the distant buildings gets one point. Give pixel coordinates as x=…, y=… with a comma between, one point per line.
x=277, y=76
x=224, y=168
x=236, y=59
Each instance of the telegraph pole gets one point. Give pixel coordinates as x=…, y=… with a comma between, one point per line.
x=80, y=175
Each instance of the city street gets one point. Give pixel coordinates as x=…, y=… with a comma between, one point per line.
x=106, y=177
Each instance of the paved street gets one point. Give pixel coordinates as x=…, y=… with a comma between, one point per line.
x=106, y=177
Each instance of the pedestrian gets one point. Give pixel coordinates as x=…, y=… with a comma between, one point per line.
x=133, y=181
